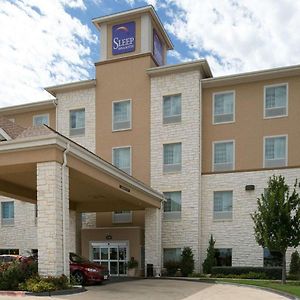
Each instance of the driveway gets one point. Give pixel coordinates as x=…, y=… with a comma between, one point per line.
x=150, y=289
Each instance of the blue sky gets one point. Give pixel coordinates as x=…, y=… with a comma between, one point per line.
x=44, y=43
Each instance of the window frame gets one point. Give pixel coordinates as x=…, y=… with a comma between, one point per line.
x=7, y=221
x=177, y=170
x=213, y=107
x=130, y=157
x=179, y=116
x=172, y=215
x=213, y=154
x=213, y=214
x=286, y=150
x=287, y=100
x=70, y=129
x=113, y=115
x=41, y=115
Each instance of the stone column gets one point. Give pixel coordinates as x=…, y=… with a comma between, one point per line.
x=50, y=219
x=153, y=240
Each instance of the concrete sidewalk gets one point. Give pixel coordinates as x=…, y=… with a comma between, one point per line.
x=164, y=290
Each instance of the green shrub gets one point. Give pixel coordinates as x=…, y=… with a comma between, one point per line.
x=268, y=272
x=295, y=266
x=210, y=259
x=250, y=275
x=11, y=275
x=132, y=263
x=187, y=261
x=172, y=267
x=38, y=284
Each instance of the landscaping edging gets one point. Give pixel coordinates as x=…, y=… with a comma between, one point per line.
x=213, y=281
x=74, y=290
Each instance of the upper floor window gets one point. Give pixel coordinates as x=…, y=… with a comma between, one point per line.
x=275, y=152
x=77, y=122
x=276, y=100
x=223, y=156
x=7, y=213
x=39, y=120
x=172, y=207
x=122, y=158
x=171, y=109
x=122, y=115
x=122, y=216
x=223, y=107
x=222, y=205
x=172, y=157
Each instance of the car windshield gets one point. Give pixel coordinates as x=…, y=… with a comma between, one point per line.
x=77, y=258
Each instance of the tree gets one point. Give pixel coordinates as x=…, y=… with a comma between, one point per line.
x=210, y=260
x=187, y=261
x=277, y=218
x=295, y=265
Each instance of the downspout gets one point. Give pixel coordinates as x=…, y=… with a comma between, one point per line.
x=64, y=207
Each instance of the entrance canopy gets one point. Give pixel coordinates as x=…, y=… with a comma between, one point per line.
x=94, y=184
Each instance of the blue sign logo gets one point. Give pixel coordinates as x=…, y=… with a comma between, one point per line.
x=123, y=38
x=157, y=48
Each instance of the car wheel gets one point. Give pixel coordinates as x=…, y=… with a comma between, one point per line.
x=78, y=277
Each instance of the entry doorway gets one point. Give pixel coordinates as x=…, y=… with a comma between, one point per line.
x=113, y=255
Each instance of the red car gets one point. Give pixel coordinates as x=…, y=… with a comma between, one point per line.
x=85, y=271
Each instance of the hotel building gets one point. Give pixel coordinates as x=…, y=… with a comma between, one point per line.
x=147, y=158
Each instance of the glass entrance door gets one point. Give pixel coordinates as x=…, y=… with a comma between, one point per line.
x=113, y=255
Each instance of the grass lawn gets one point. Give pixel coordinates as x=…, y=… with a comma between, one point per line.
x=291, y=287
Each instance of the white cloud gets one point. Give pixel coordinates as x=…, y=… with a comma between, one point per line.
x=237, y=36
x=40, y=45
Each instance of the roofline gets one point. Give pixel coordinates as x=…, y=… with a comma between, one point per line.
x=251, y=76
x=68, y=86
x=142, y=9
x=29, y=106
x=82, y=153
x=181, y=67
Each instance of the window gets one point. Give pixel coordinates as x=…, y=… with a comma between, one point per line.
x=172, y=254
x=223, y=205
x=223, y=257
x=276, y=101
x=77, y=122
x=275, y=152
x=272, y=258
x=172, y=208
x=172, y=157
x=9, y=251
x=7, y=213
x=223, y=107
x=223, y=156
x=39, y=120
x=171, y=109
x=121, y=115
x=122, y=217
x=122, y=158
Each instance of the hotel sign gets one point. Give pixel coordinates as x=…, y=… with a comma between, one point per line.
x=123, y=38
x=157, y=48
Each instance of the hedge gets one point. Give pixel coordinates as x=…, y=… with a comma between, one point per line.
x=269, y=272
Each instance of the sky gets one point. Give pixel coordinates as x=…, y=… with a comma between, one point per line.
x=44, y=43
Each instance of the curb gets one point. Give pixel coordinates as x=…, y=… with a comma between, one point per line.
x=74, y=290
